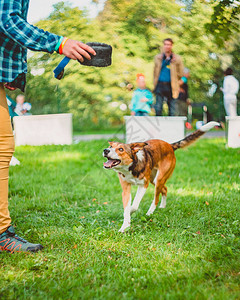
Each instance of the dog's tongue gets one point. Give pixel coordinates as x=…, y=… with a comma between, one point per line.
x=109, y=163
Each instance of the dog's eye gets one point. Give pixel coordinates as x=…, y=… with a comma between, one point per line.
x=120, y=149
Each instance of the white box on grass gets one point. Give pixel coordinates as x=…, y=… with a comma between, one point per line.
x=140, y=129
x=233, y=132
x=36, y=130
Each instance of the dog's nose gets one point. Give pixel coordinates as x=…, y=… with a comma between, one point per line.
x=106, y=151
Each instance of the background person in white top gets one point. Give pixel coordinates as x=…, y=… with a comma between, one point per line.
x=230, y=90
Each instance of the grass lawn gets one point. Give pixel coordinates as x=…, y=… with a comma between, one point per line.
x=62, y=197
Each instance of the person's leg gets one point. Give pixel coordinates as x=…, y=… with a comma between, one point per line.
x=9, y=241
x=226, y=106
x=178, y=108
x=159, y=104
x=181, y=108
x=233, y=108
x=6, y=152
x=141, y=114
x=171, y=102
x=171, y=106
x=184, y=110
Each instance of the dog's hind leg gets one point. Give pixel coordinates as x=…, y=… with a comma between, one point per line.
x=159, y=185
x=155, y=201
x=164, y=191
x=139, y=195
x=164, y=172
x=164, y=197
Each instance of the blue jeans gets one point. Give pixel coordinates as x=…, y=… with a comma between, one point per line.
x=159, y=105
x=141, y=113
x=164, y=91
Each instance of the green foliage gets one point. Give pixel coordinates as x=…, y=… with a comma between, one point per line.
x=62, y=197
x=135, y=29
x=225, y=20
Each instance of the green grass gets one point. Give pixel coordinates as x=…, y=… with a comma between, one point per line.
x=62, y=197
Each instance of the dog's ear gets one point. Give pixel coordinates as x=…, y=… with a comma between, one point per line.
x=110, y=143
x=135, y=147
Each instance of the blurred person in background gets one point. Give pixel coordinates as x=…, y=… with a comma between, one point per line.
x=230, y=89
x=142, y=98
x=22, y=108
x=183, y=98
x=168, y=70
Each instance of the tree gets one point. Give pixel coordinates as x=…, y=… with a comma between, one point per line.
x=225, y=20
x=98, y=97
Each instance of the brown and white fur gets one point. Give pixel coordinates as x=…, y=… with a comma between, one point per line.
x=144, y=162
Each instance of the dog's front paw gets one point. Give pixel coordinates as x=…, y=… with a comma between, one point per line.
x=124, y=226
x=149, y=213
x=151, y=209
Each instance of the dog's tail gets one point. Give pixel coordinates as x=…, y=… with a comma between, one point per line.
x=188, y=140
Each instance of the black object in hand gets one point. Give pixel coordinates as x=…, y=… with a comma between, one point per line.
x=103, y=57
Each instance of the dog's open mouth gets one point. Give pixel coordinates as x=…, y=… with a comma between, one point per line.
x=111, y=163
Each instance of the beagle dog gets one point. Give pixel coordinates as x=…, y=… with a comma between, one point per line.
x=144, y=162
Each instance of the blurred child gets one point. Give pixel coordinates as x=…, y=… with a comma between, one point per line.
x=22, y=107
x=142, y=98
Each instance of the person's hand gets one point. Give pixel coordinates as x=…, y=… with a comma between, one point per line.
x=173, y=57
x=144, y=99
x=182, y=90
x=9, y=87
x=153, y=111
x=133, y=113
x=180, y=82
x=161, y=56
x=77, y=50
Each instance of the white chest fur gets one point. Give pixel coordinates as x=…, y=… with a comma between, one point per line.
x=128, y=176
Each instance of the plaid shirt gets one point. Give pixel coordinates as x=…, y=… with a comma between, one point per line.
x=16, y=36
